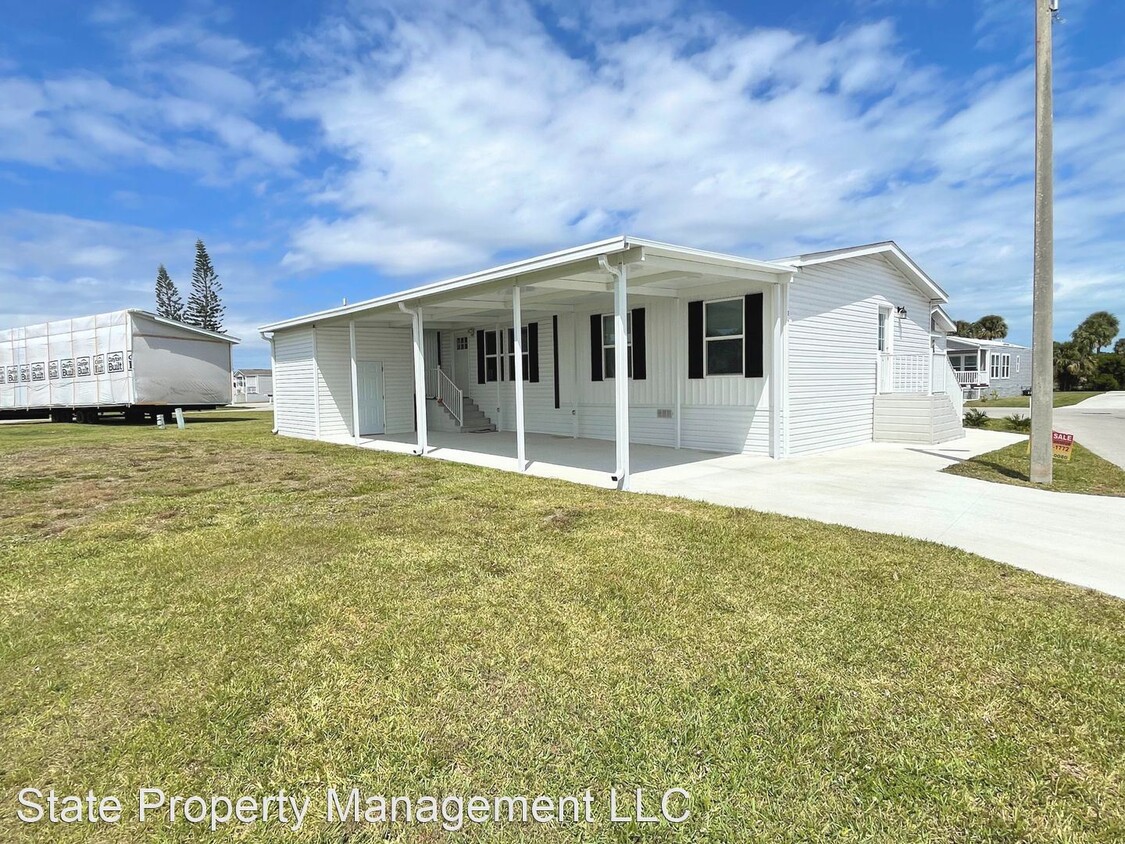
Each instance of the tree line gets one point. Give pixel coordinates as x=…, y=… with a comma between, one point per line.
x=1081, y=361
x=204, y=308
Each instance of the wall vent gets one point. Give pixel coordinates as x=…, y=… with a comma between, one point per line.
x=663, y=414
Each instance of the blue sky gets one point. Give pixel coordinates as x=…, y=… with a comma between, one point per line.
x=353, y=148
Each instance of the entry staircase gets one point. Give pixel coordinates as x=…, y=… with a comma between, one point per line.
x=919, y=400
x=461, y=410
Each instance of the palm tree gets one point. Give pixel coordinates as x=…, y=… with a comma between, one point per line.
x=1073, y=363
x=1098, y=329
x=964, y=328
x=992, y=327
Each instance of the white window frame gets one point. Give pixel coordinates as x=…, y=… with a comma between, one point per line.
x=885, y=341
x=1006, y=366
x=741, y=337
x=1017, y=364
x=497, y=355
x=609, y=347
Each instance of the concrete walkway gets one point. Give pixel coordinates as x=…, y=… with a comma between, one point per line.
x=884, y=487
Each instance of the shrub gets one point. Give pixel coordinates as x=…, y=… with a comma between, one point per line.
x=975, y=418
x=1103, y=382
x=1018, y=422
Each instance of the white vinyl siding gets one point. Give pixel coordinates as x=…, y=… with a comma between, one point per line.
x=834, y=344
x=294, y=377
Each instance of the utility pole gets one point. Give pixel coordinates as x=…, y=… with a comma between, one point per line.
x=1043, y=301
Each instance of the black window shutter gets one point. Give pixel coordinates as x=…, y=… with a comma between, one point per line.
x=639, y=371
x=596, y=347
x=695, y=339
x=753, y=348
x=555, y=356
x=511, y=355
x=480, y=357
x=533, y=352
x=439, y=349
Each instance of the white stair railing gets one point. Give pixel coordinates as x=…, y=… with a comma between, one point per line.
x=450, y=395
x=948, y=380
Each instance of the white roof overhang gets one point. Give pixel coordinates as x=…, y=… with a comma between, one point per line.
x=888, y=250
x=556, y=281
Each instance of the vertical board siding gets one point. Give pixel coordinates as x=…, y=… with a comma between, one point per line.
x=394, y=348
x=833, y=346
x=334, y=369
x=294, y=375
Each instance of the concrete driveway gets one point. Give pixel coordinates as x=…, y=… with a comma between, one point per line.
x=899, y=489
x=1098, y=423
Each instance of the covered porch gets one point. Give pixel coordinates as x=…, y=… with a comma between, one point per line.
x=594, y=364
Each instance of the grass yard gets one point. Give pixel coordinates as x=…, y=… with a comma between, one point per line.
x=223, y=611
x=1061, y=400
x=1084, y=472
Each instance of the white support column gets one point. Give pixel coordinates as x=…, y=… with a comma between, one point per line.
x=679, y=337
x=621, y=373
x=784, y=382
x=517, y=348
x=775, y=382
x=355, y=383
x=420, y=381
x=574, y=379
x=316, y=386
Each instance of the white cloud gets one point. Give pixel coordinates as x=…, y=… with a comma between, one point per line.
x=461, y=140
x=54, y=265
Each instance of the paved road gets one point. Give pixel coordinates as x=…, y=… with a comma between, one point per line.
x=1098, y=423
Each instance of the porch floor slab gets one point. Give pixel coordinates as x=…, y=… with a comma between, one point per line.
x=885, y=487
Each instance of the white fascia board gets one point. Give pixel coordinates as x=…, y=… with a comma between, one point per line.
x=948, y=326
x=542, y=262
x=889, y=250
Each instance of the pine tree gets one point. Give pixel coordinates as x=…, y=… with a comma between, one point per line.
x=204, y=308
x=168, y=301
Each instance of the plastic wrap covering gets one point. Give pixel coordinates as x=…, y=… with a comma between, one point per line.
x=100, y=361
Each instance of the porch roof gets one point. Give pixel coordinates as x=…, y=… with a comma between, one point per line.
x=657, y=269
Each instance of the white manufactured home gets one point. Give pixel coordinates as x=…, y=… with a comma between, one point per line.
x=634, y=342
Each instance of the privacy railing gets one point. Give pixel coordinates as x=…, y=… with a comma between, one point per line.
x=904, y=373
x=448, y=394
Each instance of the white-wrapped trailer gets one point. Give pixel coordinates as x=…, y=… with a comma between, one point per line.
x=130, y=361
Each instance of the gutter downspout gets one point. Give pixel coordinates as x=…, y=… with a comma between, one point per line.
x=273, y=374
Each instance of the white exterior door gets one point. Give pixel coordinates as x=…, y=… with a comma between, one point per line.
x=884, y=361
x=369, y=387
x=461, y=360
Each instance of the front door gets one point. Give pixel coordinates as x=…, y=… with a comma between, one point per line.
x=369, y=386
x=461, y=360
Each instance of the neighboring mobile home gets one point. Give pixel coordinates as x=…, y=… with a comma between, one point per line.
x=719, y=353
x=253, y=386
x=990, y=367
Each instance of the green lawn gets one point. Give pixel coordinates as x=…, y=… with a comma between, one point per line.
x=1084, y=472
x=222, y=611
x=1061, y=400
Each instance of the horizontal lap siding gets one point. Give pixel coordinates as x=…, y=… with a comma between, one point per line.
x=833, y=346
x=294, y=376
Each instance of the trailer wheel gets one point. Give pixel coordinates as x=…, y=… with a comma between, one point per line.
x=61, y=416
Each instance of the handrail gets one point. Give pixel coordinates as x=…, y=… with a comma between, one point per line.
x=952, y=387
x=450, y=395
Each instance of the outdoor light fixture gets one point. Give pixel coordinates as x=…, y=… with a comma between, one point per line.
x=900, y=311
